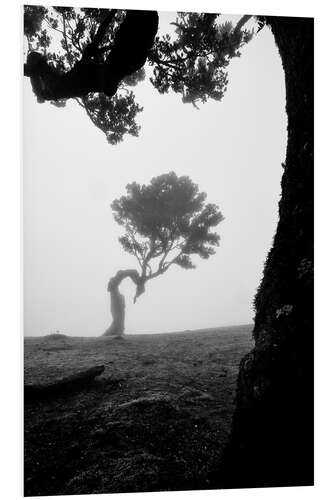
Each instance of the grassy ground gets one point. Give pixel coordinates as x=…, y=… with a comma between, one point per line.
x=157, y=419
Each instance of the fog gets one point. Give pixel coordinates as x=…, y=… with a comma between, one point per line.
x=233, y=149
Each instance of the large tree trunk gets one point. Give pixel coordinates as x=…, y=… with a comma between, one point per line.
x=272, y=433
x=117, y=300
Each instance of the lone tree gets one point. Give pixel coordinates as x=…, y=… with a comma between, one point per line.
x=166, y=222
x=96, y=55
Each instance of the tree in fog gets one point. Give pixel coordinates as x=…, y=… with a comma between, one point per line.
x=166, y=223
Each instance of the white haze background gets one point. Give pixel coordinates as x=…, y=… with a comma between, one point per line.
x=233, y=149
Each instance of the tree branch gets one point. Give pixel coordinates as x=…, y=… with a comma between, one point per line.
x=156, y=273
x=55, y=29
x=140, y=261
x=91, y=50
x=64, y=32
x=76, y=45
x=168, y=264
x=163, y=266
x=138, y=280
x=147, y=258
x=81, y=104
x=175, y=64
x=65, y=40
x=103, y=28
x=159, y=62
x=106, y=48
x=243, y=20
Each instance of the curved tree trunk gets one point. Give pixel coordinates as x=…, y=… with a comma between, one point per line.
x=117, y=307
x=117, y=300
x=272, y=433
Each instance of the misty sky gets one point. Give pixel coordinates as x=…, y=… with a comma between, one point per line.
x=232, y=149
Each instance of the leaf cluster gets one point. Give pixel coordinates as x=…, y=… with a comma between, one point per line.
x=64, y=36
x=194, y=62
x=167, y=220
x=115, y=116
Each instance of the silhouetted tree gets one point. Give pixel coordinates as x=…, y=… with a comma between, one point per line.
x=166, y=222
x=94, y=55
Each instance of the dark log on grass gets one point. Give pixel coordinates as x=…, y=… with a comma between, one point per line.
x=72, y=383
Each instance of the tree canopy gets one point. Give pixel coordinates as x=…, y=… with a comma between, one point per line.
x=166, y=223
x=193, y=62
x=96, y=55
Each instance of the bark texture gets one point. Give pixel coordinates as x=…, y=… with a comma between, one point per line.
x=272, y=433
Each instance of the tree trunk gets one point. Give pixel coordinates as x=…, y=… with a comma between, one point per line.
x=117, y=300
x=272, y=432
x=117, y=306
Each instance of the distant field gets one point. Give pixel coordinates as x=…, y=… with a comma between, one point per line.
x=155, y=420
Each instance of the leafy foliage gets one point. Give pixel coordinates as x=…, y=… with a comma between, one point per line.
x=194, y=63
x=33, y=18
x=63, y=34
x=191, y=61
x=115, y=116
x=166, y=220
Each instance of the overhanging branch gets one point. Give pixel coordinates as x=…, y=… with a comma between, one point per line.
x=243, y=20
x=102, y=29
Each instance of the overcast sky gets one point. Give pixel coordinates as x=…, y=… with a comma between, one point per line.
x=232, y=149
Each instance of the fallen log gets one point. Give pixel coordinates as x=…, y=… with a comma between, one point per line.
x=72, y=383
